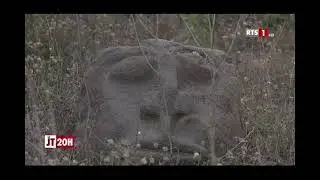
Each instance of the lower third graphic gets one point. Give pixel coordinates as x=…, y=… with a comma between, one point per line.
x=59, y=141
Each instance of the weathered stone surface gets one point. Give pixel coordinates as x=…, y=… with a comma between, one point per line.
x=161, y=92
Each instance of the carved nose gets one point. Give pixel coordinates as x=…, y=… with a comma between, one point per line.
x=166, y=125
x=168, y=71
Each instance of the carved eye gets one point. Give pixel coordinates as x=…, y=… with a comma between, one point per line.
x=149, y=114
x=192, y=74
x=179, y=115
x=133, y=69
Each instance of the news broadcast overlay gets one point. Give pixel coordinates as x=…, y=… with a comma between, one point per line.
x=261, y=33
x=59, y=141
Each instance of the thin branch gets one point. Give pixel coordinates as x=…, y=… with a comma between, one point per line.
x=137, y=36
x=157, y=24
x=190, y=31
x=145, y=27
x=211, y=27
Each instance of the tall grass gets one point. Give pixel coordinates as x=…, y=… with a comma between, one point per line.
x=59, y=48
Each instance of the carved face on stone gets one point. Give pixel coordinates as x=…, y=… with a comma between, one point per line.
x=158, y=96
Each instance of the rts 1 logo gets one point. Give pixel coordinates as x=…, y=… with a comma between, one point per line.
x=262, y=33
x=59, y=141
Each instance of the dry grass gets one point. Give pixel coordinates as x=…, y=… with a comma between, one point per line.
x=58, y=48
